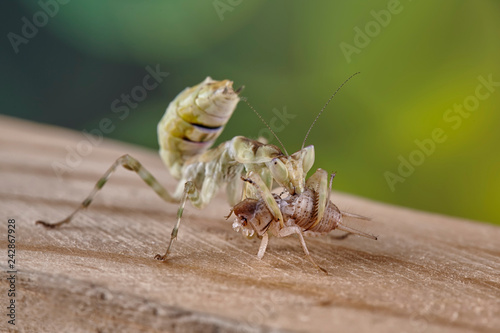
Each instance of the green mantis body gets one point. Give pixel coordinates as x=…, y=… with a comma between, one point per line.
x=193, y=120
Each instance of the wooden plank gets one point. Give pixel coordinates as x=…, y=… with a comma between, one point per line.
x=426, y=272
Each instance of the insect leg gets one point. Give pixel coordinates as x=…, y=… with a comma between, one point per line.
x=347, y=234
x=191, y=193
x=130, y=163
x=341, y=237
x=318, y=182
x=263, y=245
x=355, y=231
x=266, y=195
x=356, y=216
x=287, y=231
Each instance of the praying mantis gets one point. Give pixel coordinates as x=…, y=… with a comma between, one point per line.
x=190, y=125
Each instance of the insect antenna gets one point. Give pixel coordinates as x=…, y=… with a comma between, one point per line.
x=324, y=107
x=262, y=119
x=240, y=89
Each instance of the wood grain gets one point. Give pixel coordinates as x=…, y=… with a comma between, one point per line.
x=426, y=273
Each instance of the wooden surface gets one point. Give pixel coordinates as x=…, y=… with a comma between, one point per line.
x=426, y=273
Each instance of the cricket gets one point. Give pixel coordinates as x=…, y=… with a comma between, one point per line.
x=249, y=168
x=307, y=214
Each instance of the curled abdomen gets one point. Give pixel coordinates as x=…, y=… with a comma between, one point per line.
x=194, y=120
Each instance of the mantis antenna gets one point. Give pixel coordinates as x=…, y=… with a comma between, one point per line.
x=262, y=119
x=324, y=107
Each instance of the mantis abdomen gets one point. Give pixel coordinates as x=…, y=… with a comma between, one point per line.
x=194, y=120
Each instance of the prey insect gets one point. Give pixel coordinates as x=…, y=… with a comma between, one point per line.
x=304, y=214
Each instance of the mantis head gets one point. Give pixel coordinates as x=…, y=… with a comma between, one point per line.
x=290, y=171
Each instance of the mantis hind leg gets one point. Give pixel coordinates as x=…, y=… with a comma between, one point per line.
x=129, y=163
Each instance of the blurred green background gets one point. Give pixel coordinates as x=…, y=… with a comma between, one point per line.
x=417, y=59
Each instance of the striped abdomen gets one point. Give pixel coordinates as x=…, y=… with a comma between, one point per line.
x=194, y=120
x=302, y=209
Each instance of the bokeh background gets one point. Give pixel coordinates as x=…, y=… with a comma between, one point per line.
x=290, y=55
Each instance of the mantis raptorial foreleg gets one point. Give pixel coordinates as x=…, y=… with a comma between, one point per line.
x=258, y=184
x=266, y=195
x=281, y=231
x=318, y=182
x=301, y=212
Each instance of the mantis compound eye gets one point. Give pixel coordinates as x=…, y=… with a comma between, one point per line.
x=278, y=170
